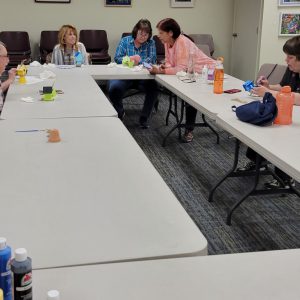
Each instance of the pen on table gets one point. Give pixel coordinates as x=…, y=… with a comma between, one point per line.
x=30, y=130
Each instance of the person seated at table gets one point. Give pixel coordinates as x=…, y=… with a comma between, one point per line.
x=140, y=47
x=68, y=48
x=4, y=60
x=178, y=48
x=291, y=78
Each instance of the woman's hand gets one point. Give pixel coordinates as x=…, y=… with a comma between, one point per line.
x=260, y=90
x=262, y=80
x=136, y=59
x=12, y=74
x=156, y=70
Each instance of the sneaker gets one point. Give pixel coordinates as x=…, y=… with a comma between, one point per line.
x=188, y=136
x=144, y=123
x=250, y=166
x=275, y=184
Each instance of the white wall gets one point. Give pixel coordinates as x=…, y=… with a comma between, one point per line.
x=271, y=42
x=208, y=16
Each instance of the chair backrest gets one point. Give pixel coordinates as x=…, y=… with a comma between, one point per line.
x=272, y=72
x=204, y=48
x=204, y=39
x=94, y=39
x=17, y=42
x=160, y=49
x=49, y=38
x=17, y=45
x=125, y=34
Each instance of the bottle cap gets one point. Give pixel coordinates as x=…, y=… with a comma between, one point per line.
x=2, y=243
x=286, y=89
x=53, y=295
x=20, y=254
x=221, y=59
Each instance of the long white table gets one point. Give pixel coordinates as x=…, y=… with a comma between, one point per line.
x=92, y=198
x=270, y=275
x=277, y=143
x=82, y=98
x=200, y=95
x=106, y=72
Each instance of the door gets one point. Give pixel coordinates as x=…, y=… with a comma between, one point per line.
x=246, y=38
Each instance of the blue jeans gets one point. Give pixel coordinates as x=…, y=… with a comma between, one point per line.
x=117, y=89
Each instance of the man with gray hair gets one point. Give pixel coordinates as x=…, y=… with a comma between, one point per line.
x=4, y=60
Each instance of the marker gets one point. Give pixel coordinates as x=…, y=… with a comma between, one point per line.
x=30, y=130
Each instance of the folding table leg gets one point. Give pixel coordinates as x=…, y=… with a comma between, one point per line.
x=179, y=122
x=229, y=173
x=256, y=180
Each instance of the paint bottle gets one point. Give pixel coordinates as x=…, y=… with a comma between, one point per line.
x=53, y=295
x=5, y=272
x=22, y=275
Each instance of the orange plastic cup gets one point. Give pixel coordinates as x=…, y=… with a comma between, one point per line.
x=53, y=136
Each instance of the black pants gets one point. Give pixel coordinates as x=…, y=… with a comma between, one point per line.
x=117, y=89
x=190, y=117
x=251, y=154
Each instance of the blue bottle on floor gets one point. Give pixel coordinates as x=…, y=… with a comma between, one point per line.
x=5, y=272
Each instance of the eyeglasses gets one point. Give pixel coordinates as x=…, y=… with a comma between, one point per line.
x=143, y=34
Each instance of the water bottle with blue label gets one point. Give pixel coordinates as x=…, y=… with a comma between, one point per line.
x=78, y=59
x=5, y=272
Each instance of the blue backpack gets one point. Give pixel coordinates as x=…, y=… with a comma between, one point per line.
x=261, y=113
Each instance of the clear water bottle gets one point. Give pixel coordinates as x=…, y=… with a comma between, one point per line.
x=190, y=67
x=204, y=74
x=78, y=59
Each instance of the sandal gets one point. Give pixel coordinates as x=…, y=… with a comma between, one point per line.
x=188, y=136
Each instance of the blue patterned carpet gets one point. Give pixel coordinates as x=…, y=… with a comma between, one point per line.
x=190, y=170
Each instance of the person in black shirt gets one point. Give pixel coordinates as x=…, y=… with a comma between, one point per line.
x=291, y=78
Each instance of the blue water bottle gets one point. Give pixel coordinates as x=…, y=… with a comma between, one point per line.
x=5, y=272
x=78, y=59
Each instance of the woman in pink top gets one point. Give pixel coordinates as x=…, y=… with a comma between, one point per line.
x=178, y=48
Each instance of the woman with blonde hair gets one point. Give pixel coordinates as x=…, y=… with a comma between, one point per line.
x=69, y=47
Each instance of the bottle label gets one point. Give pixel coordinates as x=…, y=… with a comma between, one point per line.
x=23, y=286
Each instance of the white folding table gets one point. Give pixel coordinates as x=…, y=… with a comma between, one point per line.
x=272, y=275
x=92, y=198
x=82, y=97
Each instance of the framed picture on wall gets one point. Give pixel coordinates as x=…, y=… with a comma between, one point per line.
x=53, y=1
x=182, y=3
x=289, y=3
x=117, y=2
x=289, y=24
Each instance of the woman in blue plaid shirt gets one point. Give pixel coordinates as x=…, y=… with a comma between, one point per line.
x=140, y=47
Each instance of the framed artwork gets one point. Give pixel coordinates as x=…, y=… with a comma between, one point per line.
x=117, y=3
x=289, y=24
x=53, y=1
x=182, y=3
x=289, y=3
